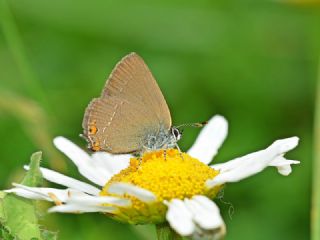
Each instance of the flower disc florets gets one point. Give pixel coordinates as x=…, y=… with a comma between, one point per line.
x=168, y=175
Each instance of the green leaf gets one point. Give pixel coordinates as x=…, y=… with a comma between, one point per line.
x=18, y=216
x=164, y=232
x=5, y=235
x=48, y=235
x=33, y=177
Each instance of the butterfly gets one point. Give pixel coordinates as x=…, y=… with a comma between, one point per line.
x=131, y=115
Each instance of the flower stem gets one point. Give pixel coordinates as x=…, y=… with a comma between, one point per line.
x=164, y=232
x=315, y=210
x=33, y=114
x=10, y=31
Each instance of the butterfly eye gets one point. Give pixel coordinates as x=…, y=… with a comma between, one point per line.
x=176, y=133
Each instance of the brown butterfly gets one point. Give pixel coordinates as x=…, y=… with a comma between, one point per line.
x=131, y=115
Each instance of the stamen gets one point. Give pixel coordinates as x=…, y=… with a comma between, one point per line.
x=55, y=199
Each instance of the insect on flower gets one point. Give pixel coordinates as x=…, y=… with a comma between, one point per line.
x=163, y=185
x=131, y=115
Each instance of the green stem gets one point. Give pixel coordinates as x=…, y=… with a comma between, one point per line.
x=31, y=84
x=164, y=232
x=16, y=46
x=315, y=210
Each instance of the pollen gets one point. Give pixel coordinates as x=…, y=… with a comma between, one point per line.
x=169, y=175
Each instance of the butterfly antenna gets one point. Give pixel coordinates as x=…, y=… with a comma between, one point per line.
x=197, y=125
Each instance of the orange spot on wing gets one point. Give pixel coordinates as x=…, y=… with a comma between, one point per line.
x=96, y=146
x=92, y=128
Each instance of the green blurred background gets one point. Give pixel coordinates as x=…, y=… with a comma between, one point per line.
x=255, y=62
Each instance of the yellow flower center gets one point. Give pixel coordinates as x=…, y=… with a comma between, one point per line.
x=167, y=175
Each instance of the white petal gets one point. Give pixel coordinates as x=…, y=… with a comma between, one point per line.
x=205, y=212
x=210, y=139
x=98, y=163
x=111, y=164
x=180, y=217
x=283, y=165
x=27, y=194
x=246, y=166
x=79, y=208
x=196, y=217
x=97, y=200
x=69, y=196
x=69, y=182
x=41, y=193
x=62, y=195
x=82, y=160
x=130, y=189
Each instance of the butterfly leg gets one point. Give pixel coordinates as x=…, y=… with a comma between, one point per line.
x=165, y=154
x=177, y=146
x=138, y=155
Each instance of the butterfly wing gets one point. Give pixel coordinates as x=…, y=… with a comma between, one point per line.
x=131, y=105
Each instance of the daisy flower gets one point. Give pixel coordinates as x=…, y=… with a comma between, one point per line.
x=177, y=188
